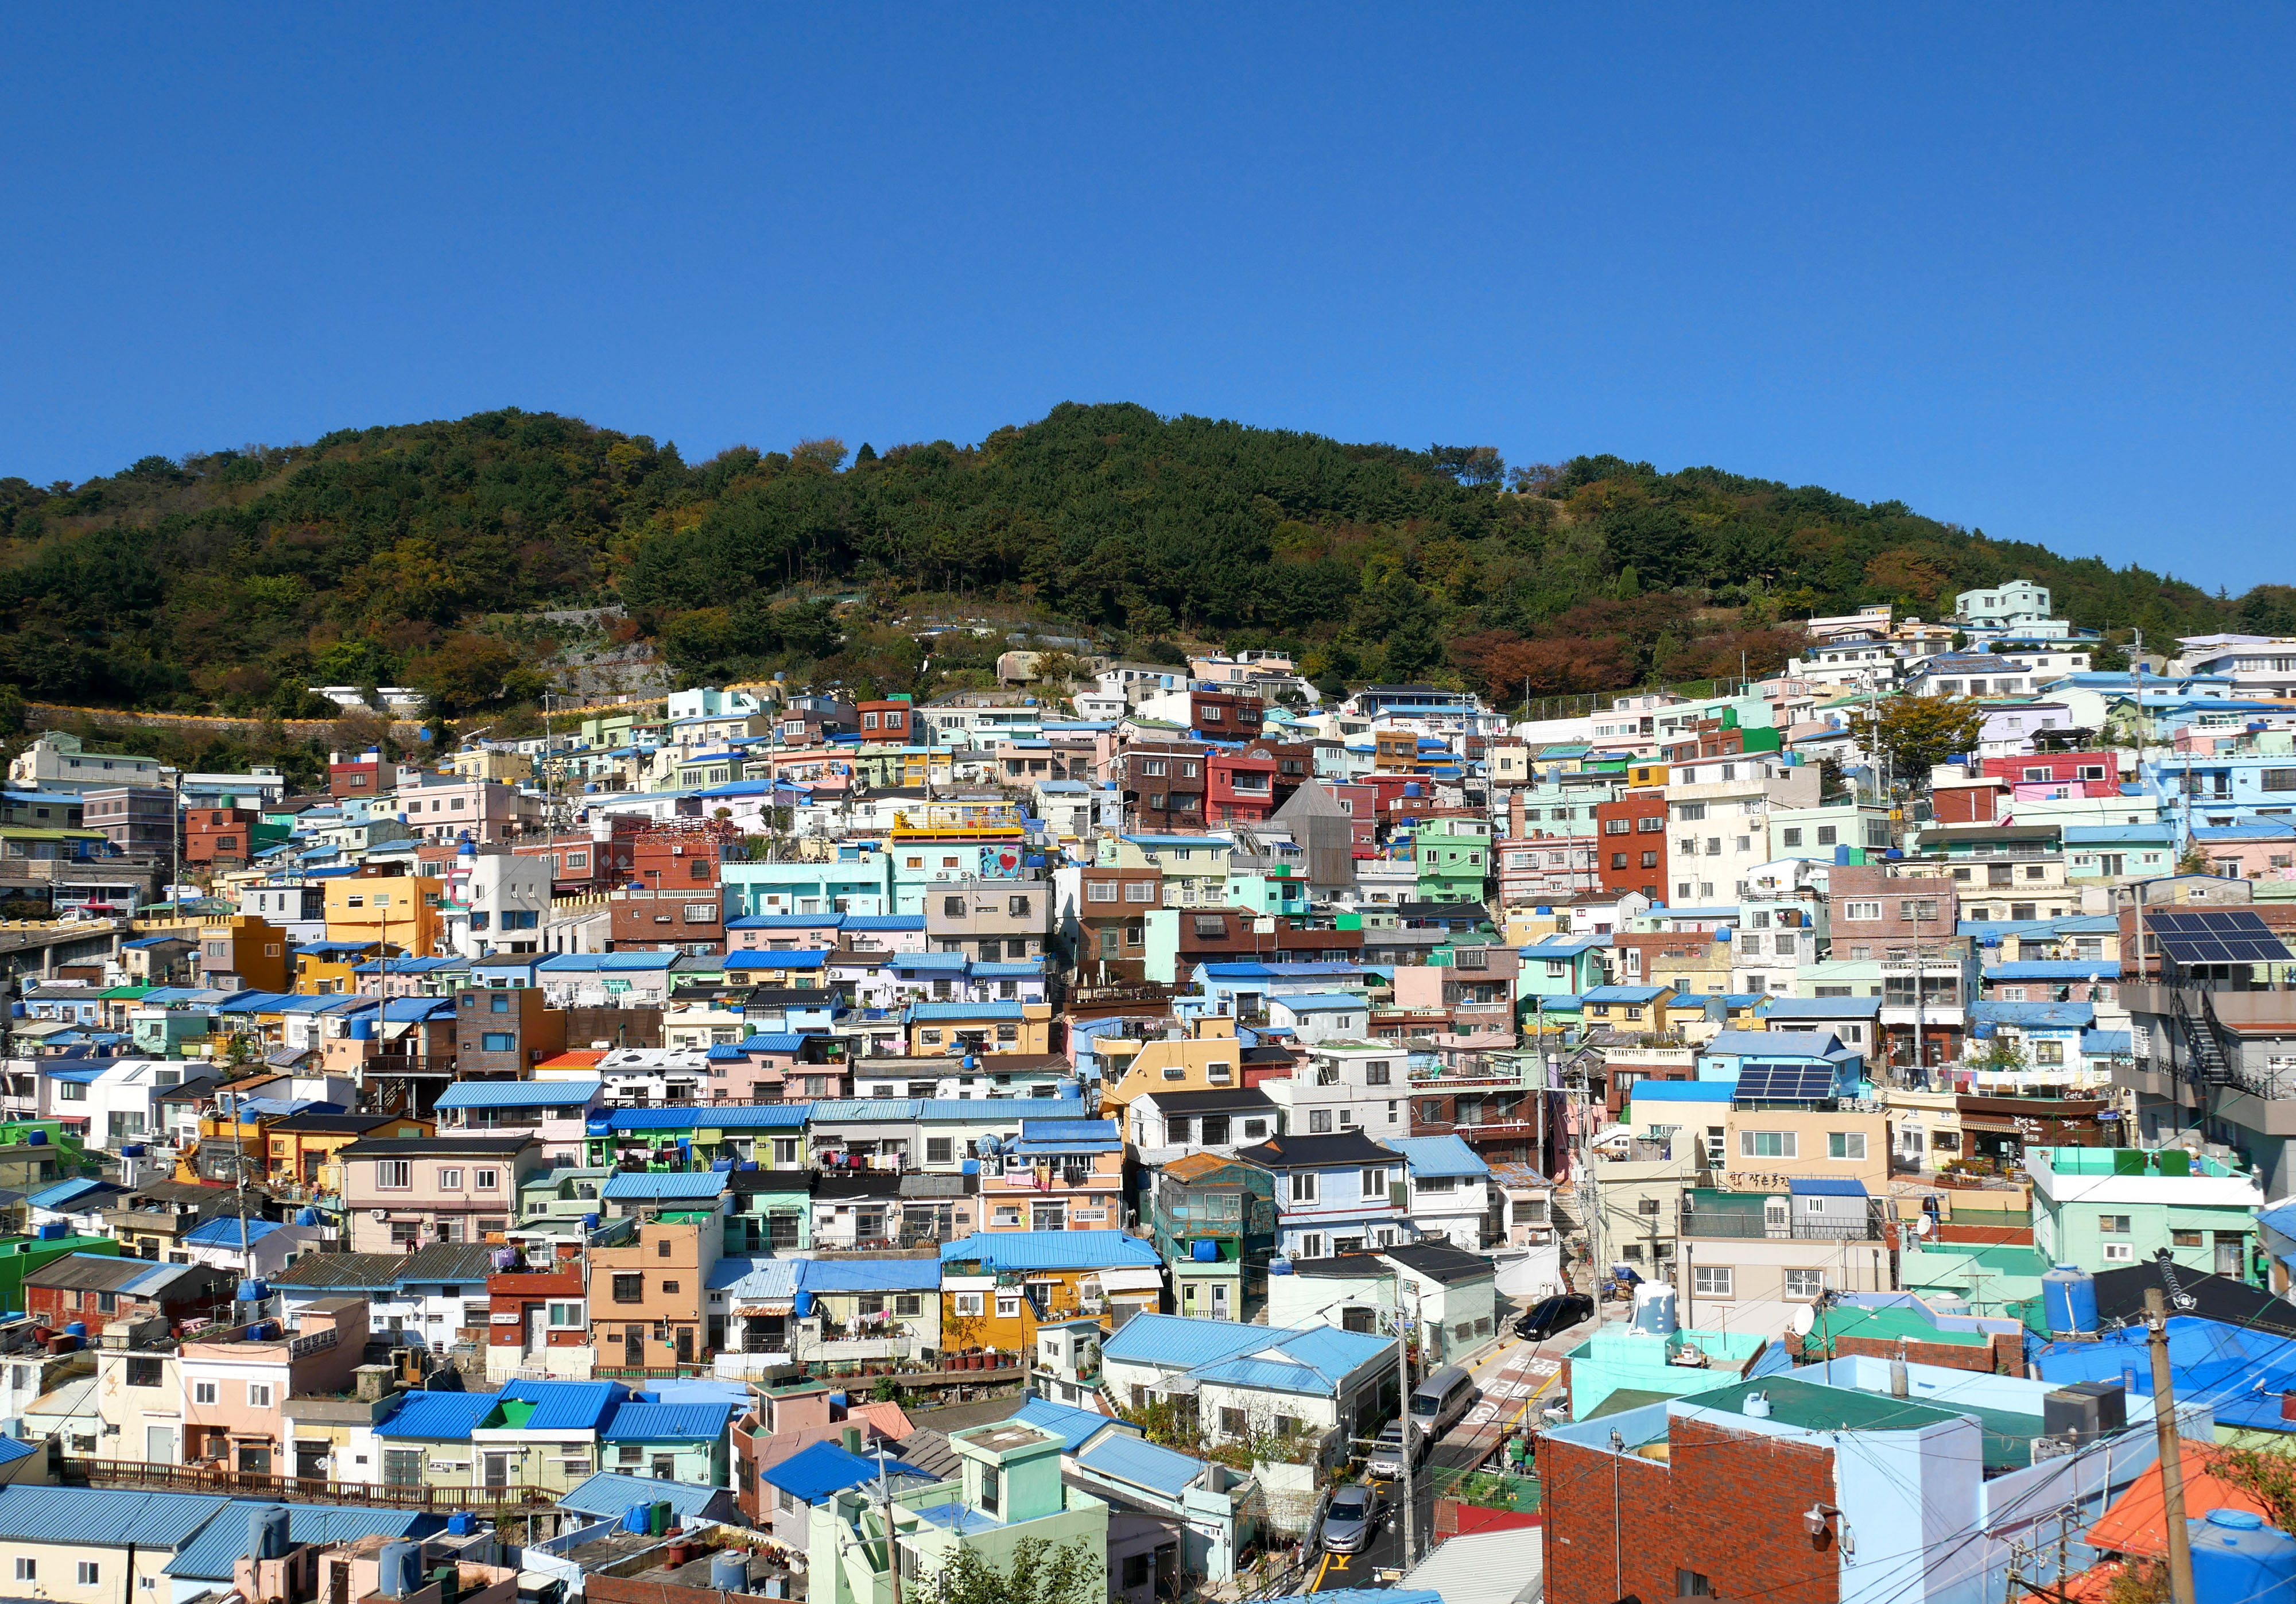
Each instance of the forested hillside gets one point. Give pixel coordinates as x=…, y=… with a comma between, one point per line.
x=417, y=554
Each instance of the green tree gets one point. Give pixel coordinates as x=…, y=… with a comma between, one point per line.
x=1918, y=733
x=1037, y=1574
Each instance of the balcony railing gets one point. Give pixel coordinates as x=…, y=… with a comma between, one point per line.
x=1748, y=1226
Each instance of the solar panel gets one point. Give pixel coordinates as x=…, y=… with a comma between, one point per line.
x=2217, y=935
x=1785, y=1082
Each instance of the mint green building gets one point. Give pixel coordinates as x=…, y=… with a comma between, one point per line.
x=2105, y=1208
x=1635, y=1367
x=1007, y=1489
x=2001, y=1281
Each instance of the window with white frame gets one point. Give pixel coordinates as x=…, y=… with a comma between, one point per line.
x=1712, y=1281
x=1804, y=1283
x=1845, y=1144
x=259, y=1395
x=1767, y=1144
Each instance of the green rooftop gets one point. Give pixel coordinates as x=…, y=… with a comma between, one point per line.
x=2008, y=1434
x=1880, y=1324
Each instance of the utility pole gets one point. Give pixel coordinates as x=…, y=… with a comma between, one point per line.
x=1408, y=1451
x=2172, y=1454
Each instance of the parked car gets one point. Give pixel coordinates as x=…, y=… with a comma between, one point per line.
x=1554, y=1314
x=1386, y=1455
x=1351, y=1517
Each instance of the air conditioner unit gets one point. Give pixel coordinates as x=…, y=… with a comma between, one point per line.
x=379, y=1214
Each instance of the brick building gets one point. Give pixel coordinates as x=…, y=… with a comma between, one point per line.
x=219, y=837
x=1164, y=786
x=1630, y=845
x=1878, y=915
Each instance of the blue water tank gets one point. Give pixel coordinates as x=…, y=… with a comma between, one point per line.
x=1204, y=1252
x=589, y=1222
x=53, y=1230
x=599, y=1124
x=748, y=1164
x=253, y=1291
x=2236, y=1556
x=1841, y=857
x=729, y=1573
x=721, y=1166
x=35, y=1138
x=970, y=1166
x=132, y=1151
x=362, y=1030
x=634, y=1518
x=1724, y=934
x=78, y=1328
x=266, y=1532
x=462, y=1523
x=2068, y=1301
x=401, y=1567
x=1279, y=1267
x=804, y=1305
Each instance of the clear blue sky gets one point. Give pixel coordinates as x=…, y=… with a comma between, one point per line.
x=2027, y=270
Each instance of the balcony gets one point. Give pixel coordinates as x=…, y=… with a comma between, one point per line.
x=1775, y=1226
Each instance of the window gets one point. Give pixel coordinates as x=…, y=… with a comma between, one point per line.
x=1692, y=1584
x=670, y=1288
x=1139, y=891
x=87, y=1572
x=486, y=1180
x=2277, y=779
x=450, y=1179
x=939, y=1149
x=259, y=1395
x=27, y=1570
x=203, y=1392
x=1376, y=1075
x=1766, y=1144
x=1790, y=836
x=2177, y=1238
x=144, y=1372
x=1804, y=1283
x=1844, y=1144
x=1711, y=1281
x=2121, y=1252
x=1864, y=911
x=2113, y=1225
x=967, y=1305
x=1374, y=1183
x=566, y=1314
x=1319, y=1122
x=1303, y=1186
x=1100, y=891
x=498, y=1042
x=630, y=1289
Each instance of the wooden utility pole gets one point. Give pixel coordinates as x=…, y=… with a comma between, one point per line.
x=2172, y=1455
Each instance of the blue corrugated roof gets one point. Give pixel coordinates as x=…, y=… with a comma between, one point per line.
x=1322, y=1002
x=1124, y=1458
x=566, y=1405
x=223, y=1542
x=668, y=1423
x=436, y=1417
x=1074, y=1427
x=966, y=1010
x=814, y=959
x=229, y=1231
x=1680, y=1091
x=1068, y=1131
x=869, y=1275
x=103, y=1517
x=64, y=1191
x=693, y=1116
x=1051, y=1250
x=1823, y=1186
x=816, y=1472
x=518, y=1094
x=1438, y=1156
x=768, y=1280
x=2071, y=969
x=653, y=1185
x=609, y=1492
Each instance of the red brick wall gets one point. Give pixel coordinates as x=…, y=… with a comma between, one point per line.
x=2002, y=1355
x=1727, y=1504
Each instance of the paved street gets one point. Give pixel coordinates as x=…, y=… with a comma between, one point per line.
x=1515, y=1377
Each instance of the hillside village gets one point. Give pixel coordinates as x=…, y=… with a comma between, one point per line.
x=753, y=1141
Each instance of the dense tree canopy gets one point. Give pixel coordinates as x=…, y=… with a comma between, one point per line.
x=410, y=554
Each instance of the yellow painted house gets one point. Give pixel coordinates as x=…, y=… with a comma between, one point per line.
x=397, y=910
x=1208, y=1058
x=979, y=1028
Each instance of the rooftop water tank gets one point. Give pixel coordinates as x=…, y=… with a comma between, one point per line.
x=78, y=1328
x=462, y=1523
x=266, y=1532
x=2236, y=1556
x=1654, y=1310
x=803, y=1304
x=253, y=1291
x=401, y=1570
x=729, y=1572
x=2068, y=1301
x=132, y=1151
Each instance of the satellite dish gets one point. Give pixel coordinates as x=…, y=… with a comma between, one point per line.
x=1805, y=1316
x=1924, y=1226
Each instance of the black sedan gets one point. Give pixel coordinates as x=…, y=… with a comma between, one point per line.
x=1554, y=1314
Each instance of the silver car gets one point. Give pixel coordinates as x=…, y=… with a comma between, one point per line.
x=1351, y=1517
x=1386, y=1455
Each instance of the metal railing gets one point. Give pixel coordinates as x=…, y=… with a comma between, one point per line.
x=198, y=1479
